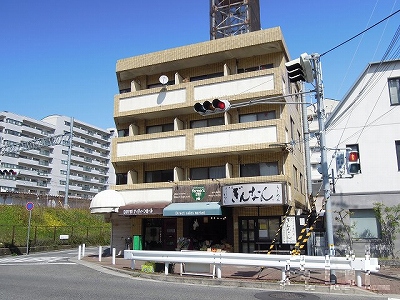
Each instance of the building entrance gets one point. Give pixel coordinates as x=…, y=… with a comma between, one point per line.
x=205, y=232
x=159, y=234
x=257, y=233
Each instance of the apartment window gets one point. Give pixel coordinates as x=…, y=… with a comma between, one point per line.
x=207, y=122
x=160, y=128
x=260, y=169
x=206, y=76
x=256, y=68
x=12, y=132
x=123, y=132
x=159, y=176
x=207, y=173
x=295, y=181
x=121, y=178
x=299, y=140
x=268, y=115
x=364, y=223
x=398, y=154
x=394, y=90
x=291, y=129
x=302, y=183
x=12, y=121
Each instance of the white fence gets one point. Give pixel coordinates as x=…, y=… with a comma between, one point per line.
x=216, y=260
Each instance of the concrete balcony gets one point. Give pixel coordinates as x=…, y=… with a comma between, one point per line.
x=210, y=141
x=179, y=99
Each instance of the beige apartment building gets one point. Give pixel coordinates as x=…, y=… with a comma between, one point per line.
x=224, y=180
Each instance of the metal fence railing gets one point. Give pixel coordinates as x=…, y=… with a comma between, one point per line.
x=17, y=235
x=284, y=262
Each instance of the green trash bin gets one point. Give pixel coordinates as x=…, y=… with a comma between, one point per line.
x=137, y=242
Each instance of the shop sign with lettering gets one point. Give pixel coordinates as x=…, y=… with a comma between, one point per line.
x=253, y=194
x=196, y=193
x=141, y=211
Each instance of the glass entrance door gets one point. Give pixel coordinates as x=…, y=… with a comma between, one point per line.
x=257, y=233
x=247, y=235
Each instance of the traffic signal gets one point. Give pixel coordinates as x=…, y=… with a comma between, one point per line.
x=300, y=69
x=209, y=108
x=353, y=162
x=8, y=172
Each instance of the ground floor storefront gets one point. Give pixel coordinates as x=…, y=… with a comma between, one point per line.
x=244, y=230
x=246, y=218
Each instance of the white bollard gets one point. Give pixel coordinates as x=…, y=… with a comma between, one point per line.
x=132, y=264
x=100, y=252
x=358, y=278
x=79, y=252
x=218, y=270
x=83, y=250
x=166, y=265
x=113, y=256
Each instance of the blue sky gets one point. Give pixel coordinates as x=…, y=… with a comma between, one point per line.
x=59, y=57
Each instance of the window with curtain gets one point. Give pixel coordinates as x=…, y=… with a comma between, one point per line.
x=397, y=145
x=394, y=91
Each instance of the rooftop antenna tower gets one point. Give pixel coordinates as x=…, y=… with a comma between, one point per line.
x=233, y=17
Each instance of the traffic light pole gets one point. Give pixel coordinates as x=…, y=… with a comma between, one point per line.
x=323, y=149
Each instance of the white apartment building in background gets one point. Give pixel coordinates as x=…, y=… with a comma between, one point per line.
x=42, y=173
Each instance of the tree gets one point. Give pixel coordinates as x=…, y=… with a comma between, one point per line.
x=388, y=218
x=345, y=231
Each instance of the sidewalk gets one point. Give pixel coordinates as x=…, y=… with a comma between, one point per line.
x=386, y=282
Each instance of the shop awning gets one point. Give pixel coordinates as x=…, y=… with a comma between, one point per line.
x=106, y=201
x=192, y=209
x=140, y=209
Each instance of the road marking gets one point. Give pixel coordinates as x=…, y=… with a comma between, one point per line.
x=30, y=260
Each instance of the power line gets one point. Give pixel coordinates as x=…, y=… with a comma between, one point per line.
x=341, y=44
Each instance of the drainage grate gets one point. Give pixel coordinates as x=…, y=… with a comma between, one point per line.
x=284, y=295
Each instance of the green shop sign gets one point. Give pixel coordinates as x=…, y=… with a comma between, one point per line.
x=198, y=193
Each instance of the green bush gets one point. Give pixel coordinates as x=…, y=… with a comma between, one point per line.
x=47, y=224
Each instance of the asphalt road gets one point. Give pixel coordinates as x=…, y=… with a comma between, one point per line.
x=54, y=276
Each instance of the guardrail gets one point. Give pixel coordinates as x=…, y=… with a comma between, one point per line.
x=283, y=262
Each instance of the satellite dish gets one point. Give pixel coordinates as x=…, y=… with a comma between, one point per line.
x=163, y=79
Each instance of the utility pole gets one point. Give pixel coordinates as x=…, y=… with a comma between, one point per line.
x=322, y=144
x=307, y=68
x=69, y=162
x=307, y=154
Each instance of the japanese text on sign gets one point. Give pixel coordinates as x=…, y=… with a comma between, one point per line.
x=253, y=194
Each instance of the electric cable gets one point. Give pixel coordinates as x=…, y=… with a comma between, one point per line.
x=341, y=44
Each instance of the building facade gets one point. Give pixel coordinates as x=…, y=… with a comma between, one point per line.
x=366, y=120
x=41, y=174
x=217, y=181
